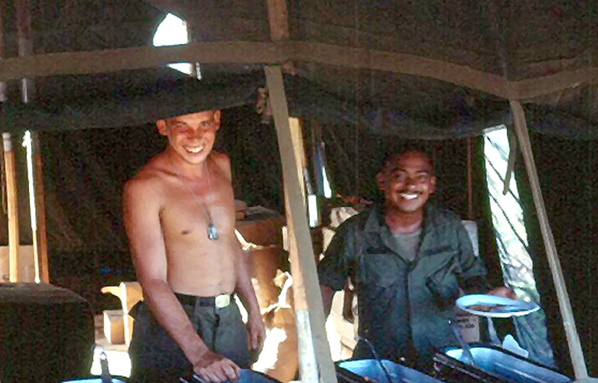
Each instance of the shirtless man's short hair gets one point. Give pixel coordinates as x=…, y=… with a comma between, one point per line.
x=180, y=220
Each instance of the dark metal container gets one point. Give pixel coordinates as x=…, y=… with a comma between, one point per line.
x=96, y=379
x=492, y=365
x=370, y=370
x=46, y=333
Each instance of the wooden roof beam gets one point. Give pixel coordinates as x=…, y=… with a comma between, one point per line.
x=400, y=63
x=280, y=52
x=278, y=18
x=246, y=52
x=534, y=87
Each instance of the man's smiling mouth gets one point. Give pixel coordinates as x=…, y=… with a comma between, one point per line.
x=409, y=196
x=194, y=149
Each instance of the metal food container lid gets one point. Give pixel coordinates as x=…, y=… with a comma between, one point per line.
x=492, y=365
x=370, y=370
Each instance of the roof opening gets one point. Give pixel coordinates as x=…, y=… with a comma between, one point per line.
x=173, y=31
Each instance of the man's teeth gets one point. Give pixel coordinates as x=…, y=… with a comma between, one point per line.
x=195, y=150
x=409, y=195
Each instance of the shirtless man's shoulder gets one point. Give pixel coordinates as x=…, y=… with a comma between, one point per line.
x=146, y=179
x=155, y=179
x=154, y=172
x=223, y=162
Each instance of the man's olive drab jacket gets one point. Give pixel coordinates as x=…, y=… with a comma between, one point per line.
x=403, y=305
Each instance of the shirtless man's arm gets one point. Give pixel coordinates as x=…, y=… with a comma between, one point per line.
x=142, y=206
x=243, y=286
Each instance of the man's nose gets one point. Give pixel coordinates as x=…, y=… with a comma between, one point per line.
x=197, y=134
x=411, y=183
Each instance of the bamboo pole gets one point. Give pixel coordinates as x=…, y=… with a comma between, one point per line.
x=575, y=350
x=13, y=209
x=309, y=309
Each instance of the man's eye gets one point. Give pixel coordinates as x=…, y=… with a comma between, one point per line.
x=398, y=176
x=207, y=124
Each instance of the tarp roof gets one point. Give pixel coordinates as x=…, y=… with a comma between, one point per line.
x=471, y=44
x=516, y=40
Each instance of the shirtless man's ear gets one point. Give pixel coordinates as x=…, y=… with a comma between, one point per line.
x=217, y=119
x=161, y=125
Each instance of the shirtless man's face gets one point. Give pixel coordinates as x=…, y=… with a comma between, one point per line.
x=191, y=136
x=407, y=181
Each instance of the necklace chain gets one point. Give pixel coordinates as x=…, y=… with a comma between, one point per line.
x=212, y=230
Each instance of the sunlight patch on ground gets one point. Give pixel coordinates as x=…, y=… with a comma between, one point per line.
x=269, y=355
x=119, y=363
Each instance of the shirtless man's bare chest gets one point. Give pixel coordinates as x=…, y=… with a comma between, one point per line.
x=198, y=265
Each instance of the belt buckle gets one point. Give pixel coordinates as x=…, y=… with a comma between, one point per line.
x=222, y=301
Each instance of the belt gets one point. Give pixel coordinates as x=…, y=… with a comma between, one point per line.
x=219, y=301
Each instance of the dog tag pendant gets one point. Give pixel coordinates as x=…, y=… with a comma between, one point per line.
x=212, y=232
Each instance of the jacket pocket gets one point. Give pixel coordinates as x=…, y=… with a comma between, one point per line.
x=441, y=279
x=380, y=270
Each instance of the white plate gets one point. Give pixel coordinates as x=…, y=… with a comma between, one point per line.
x=498, y=307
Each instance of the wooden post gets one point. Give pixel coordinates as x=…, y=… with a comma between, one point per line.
x=40, y=241
x=34, y=167
x=314, y=349
x=511, y=163
x=575, y=350
x=13, y=209
x=3, y=96
x=25, y=44
x=470, y=214
x=309, y=309
x=297, y=140
x=278, y=19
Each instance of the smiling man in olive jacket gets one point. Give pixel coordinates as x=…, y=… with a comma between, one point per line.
x=408, y=261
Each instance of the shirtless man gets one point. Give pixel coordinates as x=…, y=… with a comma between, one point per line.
x=180, y=219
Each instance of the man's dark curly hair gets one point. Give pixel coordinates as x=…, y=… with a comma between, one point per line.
x=396, y=152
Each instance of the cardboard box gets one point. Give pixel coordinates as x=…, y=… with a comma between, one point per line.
x=114, y=329
x=470, y=327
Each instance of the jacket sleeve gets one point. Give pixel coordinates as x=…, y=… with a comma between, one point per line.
x=472, y=277
x=333, y=269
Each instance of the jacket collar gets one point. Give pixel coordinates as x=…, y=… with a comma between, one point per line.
x=376, y=230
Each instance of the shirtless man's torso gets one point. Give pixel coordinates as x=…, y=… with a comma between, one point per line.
x=180, y=220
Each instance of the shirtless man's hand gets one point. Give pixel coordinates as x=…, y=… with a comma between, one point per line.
x=215, y=368
x=256, y=333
